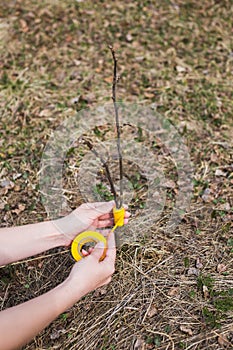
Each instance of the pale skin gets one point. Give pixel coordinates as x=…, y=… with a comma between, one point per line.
x=28, y=319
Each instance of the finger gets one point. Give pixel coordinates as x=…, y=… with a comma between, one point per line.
x=110, y=222
x=104, y=282
x=84, y=252
x=111, y=251
x=110, y=215
x=105, y=223
x=98, y=250
x=106, y=216
x=107, y=281
x=101, y=209
x=104, y=207
x=127, y=214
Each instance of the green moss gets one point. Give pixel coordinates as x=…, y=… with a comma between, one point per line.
x=207, y=281
x=211, y=318
x=224, y=304
x=224, y=300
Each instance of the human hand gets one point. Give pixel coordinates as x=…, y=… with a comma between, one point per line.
x=87, y=216
x=90, y=273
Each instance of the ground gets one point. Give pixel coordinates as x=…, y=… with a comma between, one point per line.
x=170, y=290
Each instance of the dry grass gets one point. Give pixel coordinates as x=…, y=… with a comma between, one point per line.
x=177, y=56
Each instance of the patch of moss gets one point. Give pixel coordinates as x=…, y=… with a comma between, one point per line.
x=207, y=281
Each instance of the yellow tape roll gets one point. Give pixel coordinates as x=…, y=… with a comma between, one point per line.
x=84, y=238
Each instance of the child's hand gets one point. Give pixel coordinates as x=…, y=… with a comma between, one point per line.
x=88, y=216
x=90, y=273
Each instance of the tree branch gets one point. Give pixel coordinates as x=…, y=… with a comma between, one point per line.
x=114, y=83
x=104, y=164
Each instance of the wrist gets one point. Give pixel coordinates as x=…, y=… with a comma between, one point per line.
x=49, y=232
x=71, y=291
x=69, y=227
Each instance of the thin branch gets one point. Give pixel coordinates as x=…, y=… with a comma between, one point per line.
x=114, y=83
x=104, y=164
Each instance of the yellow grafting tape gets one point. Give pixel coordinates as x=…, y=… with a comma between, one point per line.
x=119, y=215
x=84, y=238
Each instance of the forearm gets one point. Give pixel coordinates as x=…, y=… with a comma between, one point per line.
x=19, y=242
x=21, y=323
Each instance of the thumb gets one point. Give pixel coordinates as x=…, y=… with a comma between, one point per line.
x=98, y=250
x=103, y=208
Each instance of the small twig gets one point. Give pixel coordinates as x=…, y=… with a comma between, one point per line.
x=114, y=83
x=104, y=164
x=5, y=296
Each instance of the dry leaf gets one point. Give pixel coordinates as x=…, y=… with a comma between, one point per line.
x=180, y=69
x=21, y=207
x=100, y=291
x=219, y=172
x=225, y=206
x=205, y=292
x=108, y=79
x=7, y=184
x=17, y=176
x=153, y=311
x=193, y=271
x=17, y=188
x=57, y=333
x=129, y=37
x=206, y=195
x=69, y=38
x=174, y=291
x=186, y=330
x=139, y=344
x=149, y=94
x=221, y=268
x=169, y=184
x=77, y=62
x=89, y=97
x=199, y=264
x=40, y=264
x=24, y=25
x=46, y=113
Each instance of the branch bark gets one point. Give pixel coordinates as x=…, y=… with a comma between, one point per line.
x=104, y=164
x=114, y=83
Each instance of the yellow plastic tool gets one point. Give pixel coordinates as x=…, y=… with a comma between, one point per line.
x=95, y=237
x=84, y=238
